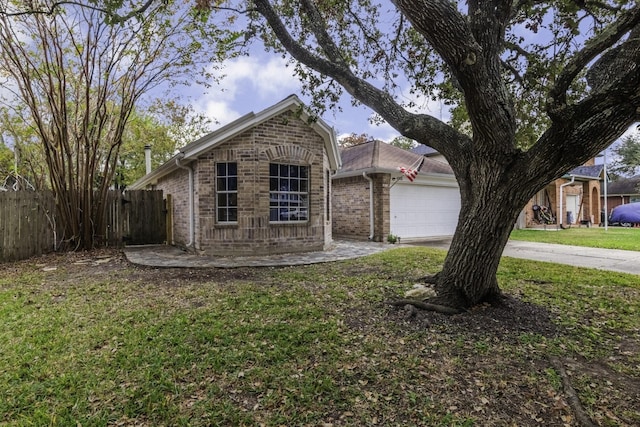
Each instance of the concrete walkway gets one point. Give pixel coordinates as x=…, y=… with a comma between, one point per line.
x=603, y=259
x=170, y=256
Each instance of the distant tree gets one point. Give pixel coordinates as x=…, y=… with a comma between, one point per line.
x=403, y=142
x=165, y=126
x=6, y=161
x=184, y=124
x=80, y=78
x=28, y=165
x=354, y=139
x=627, y=156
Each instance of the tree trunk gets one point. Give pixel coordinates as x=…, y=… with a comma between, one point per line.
x=491, y=203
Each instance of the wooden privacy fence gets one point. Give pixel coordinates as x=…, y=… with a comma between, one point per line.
x=26, y=224
x=135, y=217
x=28, y=221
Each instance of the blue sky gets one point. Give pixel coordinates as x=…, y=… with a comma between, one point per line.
x=253, y=83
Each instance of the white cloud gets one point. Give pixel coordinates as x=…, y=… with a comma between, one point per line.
x=219, y=111
x=257, y=76
x=248, y=84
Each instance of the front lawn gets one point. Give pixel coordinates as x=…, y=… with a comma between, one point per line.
x=88, y=339
x=595, y=237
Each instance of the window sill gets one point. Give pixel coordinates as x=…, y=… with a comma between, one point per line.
x=288, y=222
x=226, y=225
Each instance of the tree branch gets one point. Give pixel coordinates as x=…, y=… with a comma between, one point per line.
x=114, y=17
x=595, y=46
x=420, y=127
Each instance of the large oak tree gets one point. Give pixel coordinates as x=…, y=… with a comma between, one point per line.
x=542, y=85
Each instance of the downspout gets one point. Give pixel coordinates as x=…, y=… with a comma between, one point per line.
x=560, y=218
x=179, y=157
x=364, y=174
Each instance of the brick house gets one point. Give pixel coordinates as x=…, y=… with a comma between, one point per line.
x=572, y=199
x=373, y=199
x=621, y=192
x=259, y=185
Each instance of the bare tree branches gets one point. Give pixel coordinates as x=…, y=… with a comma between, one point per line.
x=81, y=77
x=53, y=7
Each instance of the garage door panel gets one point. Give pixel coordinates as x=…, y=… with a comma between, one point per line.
x=423, y=211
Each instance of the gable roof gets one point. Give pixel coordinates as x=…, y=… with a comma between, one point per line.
x=624, y=186
x=194, y=149
x=380, y=157
x=592, y=172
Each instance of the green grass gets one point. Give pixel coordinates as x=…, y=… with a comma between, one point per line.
x=595, y=237
x=309, y=345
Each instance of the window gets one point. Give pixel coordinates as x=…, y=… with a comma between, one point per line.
x=288, y=193
x=226, y=192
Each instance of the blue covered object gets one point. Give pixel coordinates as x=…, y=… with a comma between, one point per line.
x=629, y=213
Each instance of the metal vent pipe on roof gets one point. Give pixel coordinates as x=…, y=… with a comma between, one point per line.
x=147, y=159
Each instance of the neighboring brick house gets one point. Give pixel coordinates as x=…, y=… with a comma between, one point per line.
x=621, y=192
x=259, y=185
x=572, y=199
x=373, y=199
x=429, y=152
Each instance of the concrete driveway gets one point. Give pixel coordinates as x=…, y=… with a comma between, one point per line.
x=579, y=256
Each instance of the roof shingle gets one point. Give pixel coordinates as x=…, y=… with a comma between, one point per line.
x=377, y=156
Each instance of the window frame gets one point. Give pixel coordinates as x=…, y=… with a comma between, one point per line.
x=289, y=193
x=229, y=182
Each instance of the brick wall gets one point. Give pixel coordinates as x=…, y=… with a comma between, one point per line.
x=350, y=203
x=351, y=212
x=588, y=193
x=284, y=139
x=177, y=185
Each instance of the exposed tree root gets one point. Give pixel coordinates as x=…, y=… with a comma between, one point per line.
x=425, y=306
x=572, y=397
x=431, y=280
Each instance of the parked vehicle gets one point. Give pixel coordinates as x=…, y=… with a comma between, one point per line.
x=626, y=215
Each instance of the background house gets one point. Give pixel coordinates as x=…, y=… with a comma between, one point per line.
x=259, y=185
x=372, y=198
x=621, y=192
x=572, y=199
x=429, y=152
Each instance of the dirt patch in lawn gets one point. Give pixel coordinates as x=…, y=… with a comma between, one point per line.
x=506, y=319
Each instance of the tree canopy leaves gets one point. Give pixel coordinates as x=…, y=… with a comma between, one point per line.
x=628, y=156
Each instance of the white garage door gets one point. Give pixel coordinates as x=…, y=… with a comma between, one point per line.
x=419, y=210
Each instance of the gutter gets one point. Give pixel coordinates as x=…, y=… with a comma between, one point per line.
x=560, y=218
x=368, y=178
x=191, y=242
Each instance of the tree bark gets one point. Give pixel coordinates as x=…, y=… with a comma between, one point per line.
x=491, y=202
